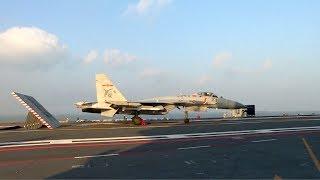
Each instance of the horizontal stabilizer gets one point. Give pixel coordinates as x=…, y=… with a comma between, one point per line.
x=34, y=107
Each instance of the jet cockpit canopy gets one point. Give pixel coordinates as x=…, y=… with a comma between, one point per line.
x=207, y=94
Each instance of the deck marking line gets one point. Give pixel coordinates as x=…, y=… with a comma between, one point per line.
x=160, y=126
x=175, y=136
x=157, y=137
x=311, y=154
x=62, y=141
x=194, y=147
x=264, y=140
x=94, y=156
x=77, y=166
x=187, y=162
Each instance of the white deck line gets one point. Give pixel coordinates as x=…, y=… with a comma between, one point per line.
x=193, y=147
x=263, y=140
x=157, y=137
x=141, y=127
x=94, y=156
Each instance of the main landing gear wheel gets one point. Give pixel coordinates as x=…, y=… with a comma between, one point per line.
x=136, y=120
x=186, y=121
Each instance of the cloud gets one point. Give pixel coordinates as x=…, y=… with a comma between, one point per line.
x=146, y=6
x=115, y=57
x=221, y=58
x=30, y=46
x=91, y=56
x=267, y=64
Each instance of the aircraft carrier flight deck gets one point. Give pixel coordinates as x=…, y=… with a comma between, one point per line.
x=264, y=147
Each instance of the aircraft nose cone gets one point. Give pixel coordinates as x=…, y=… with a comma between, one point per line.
x=239, y=105
x=229, y=104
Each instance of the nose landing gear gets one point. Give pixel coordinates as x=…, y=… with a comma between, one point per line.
x=186, y=117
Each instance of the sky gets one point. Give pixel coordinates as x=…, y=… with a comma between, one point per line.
x=262, y=52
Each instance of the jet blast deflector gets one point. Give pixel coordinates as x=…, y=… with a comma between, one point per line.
x=37, y=115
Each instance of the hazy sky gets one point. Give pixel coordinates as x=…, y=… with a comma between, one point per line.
x=257, y=52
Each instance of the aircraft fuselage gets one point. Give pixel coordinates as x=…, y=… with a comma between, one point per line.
x=187, y=102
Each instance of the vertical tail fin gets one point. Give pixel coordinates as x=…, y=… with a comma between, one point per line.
x=106, y=91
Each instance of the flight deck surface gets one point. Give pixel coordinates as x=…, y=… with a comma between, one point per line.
x=245, y=148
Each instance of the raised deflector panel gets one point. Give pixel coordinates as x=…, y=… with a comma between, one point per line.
x=34, y=107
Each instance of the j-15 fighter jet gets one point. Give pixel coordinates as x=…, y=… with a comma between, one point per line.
x=110, y=101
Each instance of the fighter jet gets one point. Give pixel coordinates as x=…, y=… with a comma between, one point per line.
x=110, y=101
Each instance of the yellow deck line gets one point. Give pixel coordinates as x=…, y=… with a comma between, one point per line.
x=276, y=177
x=311, y=154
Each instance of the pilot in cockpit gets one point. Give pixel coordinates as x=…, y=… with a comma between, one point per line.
x=207, y=94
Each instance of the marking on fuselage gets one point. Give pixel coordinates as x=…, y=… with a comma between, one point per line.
x=108, y=85
x=205, y=101
x=108, y=93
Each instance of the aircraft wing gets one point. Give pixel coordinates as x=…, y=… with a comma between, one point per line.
x=156, y=103
x=171, y=101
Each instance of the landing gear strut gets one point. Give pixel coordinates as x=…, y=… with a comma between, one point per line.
x=186, y=117
x=136, y=120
